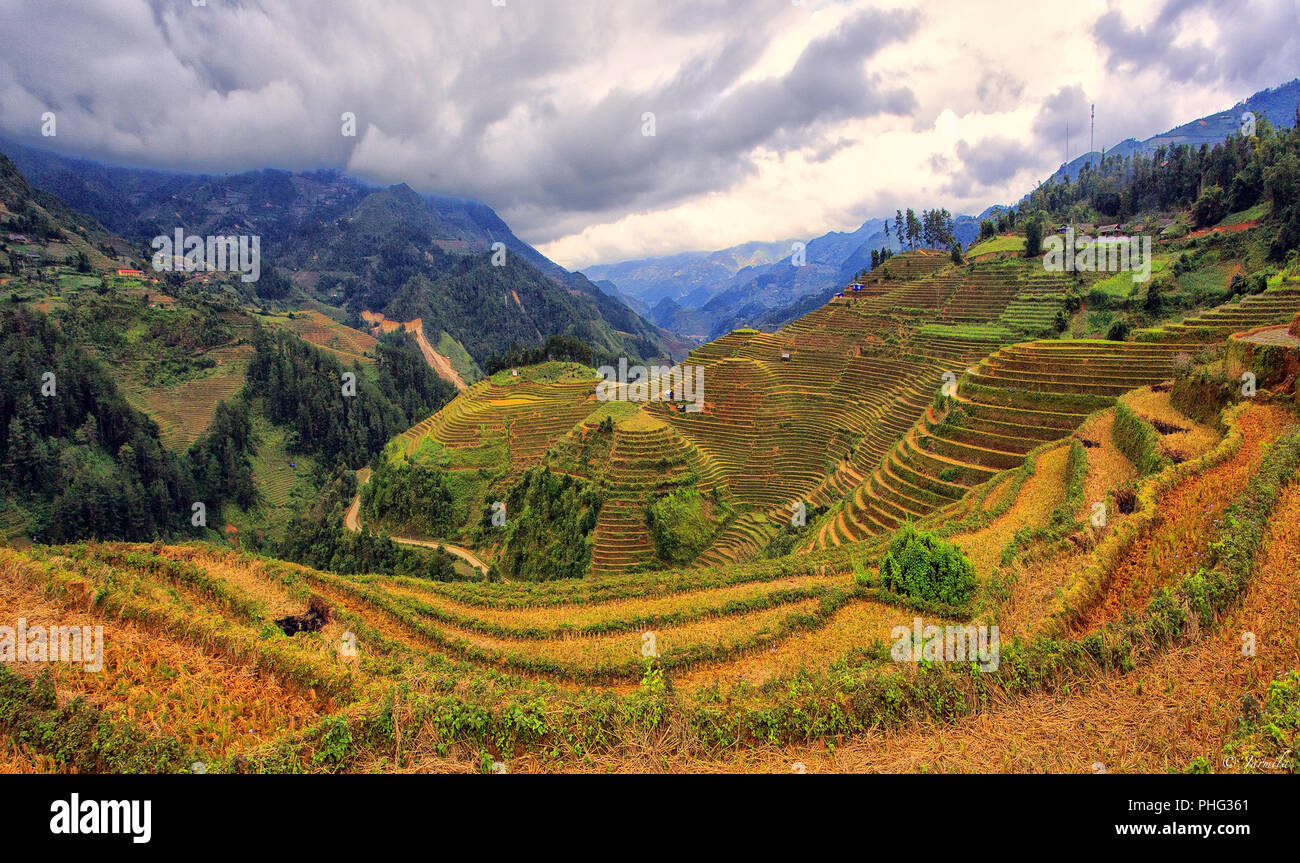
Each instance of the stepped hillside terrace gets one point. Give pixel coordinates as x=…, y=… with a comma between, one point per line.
x=792, y=652
x=799, y=416
x=837, y=409
x=1019, y=397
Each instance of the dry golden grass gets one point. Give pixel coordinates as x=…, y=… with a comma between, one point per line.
x=249, y=578
x=619, y=648
x=1036, y=590
x=388, y=625
x=1108, y=468
x=18, y=759
x=855, y=625
x=999, y=492
x=165, y=685
x=1041, y=493
x=1155, y=719
x=624, y=609
x=1181, y=445
x=1185, y=523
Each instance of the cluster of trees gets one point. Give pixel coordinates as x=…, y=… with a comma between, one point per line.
x=405, y=379
x=565, y=348
x=220, y=460
x=410, y=497
x=679, y=527
x=933, y=230
x=81, y=462
x=1212, y=181
x=548, y=531
x=341, y=420
x=33, y=224
x=81, y=261
x=272, y=284
x=785, y=541
x=316, y=537
x=1005, y=220
x=879, y=256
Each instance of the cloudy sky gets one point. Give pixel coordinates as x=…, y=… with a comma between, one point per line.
x=771, y=119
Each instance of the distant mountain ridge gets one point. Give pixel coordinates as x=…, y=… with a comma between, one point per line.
x=685, y=277
x=332, y=232
x=1278, y=104
x=681, y=300
x=689, y=305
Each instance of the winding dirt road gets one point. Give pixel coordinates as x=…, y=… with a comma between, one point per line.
x=352, y=521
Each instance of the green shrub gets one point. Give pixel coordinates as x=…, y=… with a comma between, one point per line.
x=549, y=521
x=679, y=526
x=922, y=566
x=1138, y=440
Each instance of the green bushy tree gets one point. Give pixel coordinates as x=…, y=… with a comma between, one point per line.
x=922, y=566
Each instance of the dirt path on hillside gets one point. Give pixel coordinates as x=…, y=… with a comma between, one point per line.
x=352, y=521
x=436, y=361
x=439, y=363
x=463, y=553
x=352, y=518
x=1225, y=229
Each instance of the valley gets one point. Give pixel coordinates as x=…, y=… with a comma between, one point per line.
x=963, y=510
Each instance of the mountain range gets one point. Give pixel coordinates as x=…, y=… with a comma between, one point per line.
x=706, y=294
x=356, y=247
x=700, y=297
x=1277, y=104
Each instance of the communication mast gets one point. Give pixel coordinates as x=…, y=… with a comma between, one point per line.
x=1092, y=128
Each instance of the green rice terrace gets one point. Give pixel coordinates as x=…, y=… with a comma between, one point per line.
x=905, y=392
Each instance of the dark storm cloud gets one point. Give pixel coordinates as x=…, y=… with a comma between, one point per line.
x=597, y=163
x=1066, y=105
x=1252, y=38
x=437, y=87
x=989, y=163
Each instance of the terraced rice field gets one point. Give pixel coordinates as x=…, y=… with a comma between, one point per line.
x=519, y=419
x=184, y=411
x=324, y=332
x=686, y=663
x=1013, y=401
x=1179, y=542
x=806, y=414
x=839, y=408
x=1275, y=306
x=647, y=457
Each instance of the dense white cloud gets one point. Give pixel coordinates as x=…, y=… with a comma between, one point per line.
x=772, y=119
